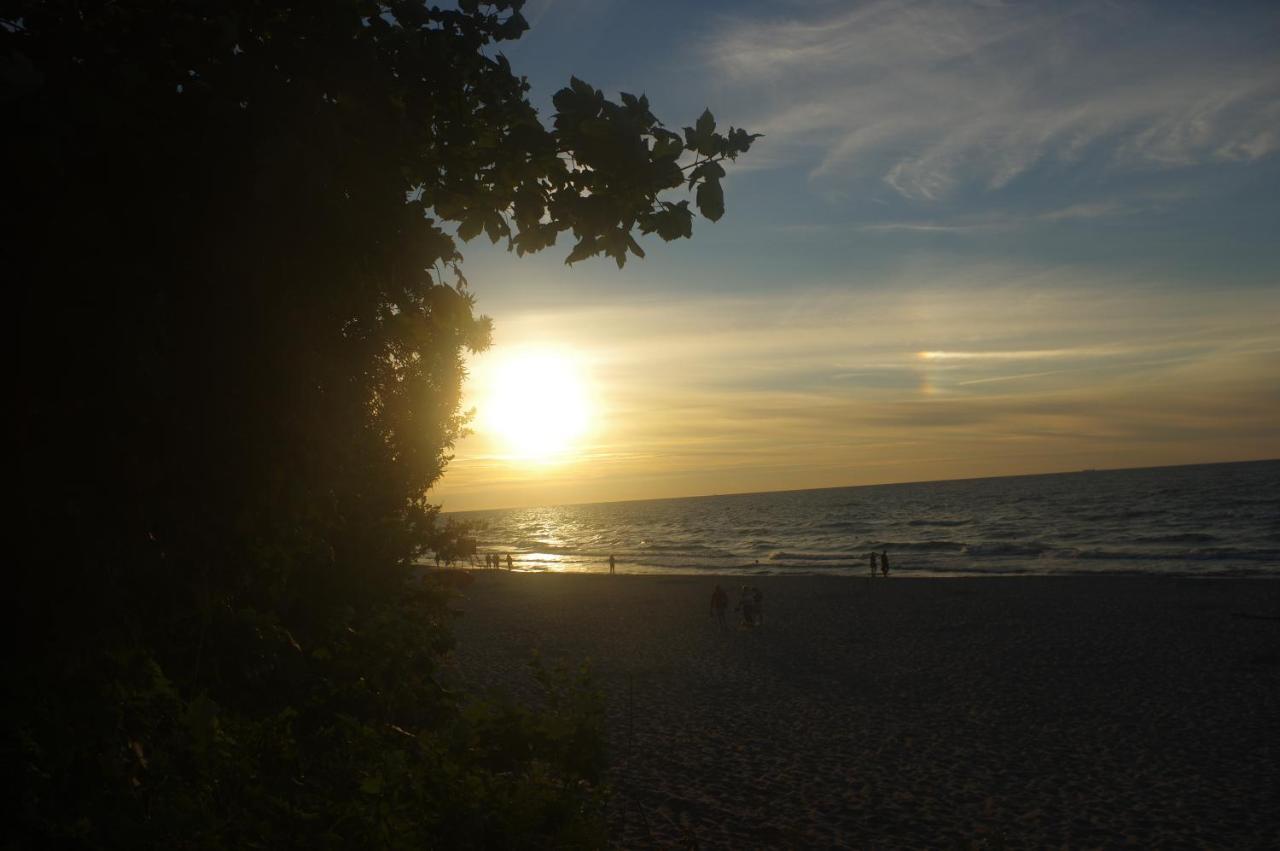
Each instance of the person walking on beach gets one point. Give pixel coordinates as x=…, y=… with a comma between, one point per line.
x=884, y=564
x=719, y=602
x=612, y=564
x=509, y=564
x=873, y=564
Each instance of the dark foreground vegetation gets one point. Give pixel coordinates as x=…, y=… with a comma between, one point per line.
x=231, y=237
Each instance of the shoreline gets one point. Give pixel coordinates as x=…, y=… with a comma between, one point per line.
x=1064, y=710
x=1265, y=575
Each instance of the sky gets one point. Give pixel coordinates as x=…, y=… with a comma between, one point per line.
x=977, y=239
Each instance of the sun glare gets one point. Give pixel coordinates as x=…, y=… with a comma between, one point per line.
x=537, y=404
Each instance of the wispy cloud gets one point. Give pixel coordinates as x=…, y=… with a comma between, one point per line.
x=932, y=94
x=1003, y=221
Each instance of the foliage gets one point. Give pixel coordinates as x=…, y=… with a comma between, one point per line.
x=240, y=346
x=351, y=743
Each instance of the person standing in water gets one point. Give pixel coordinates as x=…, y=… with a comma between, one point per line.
x=872, y=559
x=509, y=564
x=612, y=564
x=884, y=564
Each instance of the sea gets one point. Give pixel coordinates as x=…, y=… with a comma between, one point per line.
x=1202, y=520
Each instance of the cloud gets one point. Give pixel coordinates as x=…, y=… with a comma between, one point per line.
x=933, y=95
x=1005, y=221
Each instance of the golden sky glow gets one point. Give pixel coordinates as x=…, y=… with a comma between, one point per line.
x=909, y=382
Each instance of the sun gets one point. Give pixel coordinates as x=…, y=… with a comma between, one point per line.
x=537, y=404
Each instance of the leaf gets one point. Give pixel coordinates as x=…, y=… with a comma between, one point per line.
x=674, y=221
x=740, y=141
x=495, y=227
x=585, y=248
x=702, y=136
x=710, y=198
x=535, y=238
x=470, y=228
x=667, y=148
x=583, y=89
x=512, y=28
x=705, y=125
x=596, y=128
x=706, y=171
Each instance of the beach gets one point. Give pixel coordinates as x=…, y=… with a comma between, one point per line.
x=1076, y=711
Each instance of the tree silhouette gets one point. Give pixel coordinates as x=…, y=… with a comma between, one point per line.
x=233, y=229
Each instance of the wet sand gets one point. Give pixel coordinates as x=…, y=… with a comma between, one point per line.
x=1021, y=711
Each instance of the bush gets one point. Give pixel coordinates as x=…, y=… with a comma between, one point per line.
x=349, y=740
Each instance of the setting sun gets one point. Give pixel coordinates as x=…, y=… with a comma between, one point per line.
x=537, y=404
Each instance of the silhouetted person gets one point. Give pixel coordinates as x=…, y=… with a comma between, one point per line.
x=509, y=563
x=612, y=564
x=758, y=598
x=719, y=602
x=884, y=564
x=746, y=606
x=872, y=559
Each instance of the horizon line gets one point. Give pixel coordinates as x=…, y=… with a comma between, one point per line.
x=877, y=485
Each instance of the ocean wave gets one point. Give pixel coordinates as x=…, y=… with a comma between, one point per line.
x=1122, y=514
x=682, y=548
x=947, y=523
x=1203, y=554
x=1183, y=538
x=842, y=525
x=801, y=557
x=921, y=546
x=540, y=546
x=1244, y=501
x=1236, y=553
x=1024, y=548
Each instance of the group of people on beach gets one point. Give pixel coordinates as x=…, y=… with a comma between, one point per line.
x=750, y=605
x=493, y=561
x=884, y=564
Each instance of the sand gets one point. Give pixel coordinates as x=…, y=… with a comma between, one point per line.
x=1018, y=711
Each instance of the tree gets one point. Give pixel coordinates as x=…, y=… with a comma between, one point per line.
x=241, y=324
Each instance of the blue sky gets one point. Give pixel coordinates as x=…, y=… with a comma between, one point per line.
x=977, y=238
